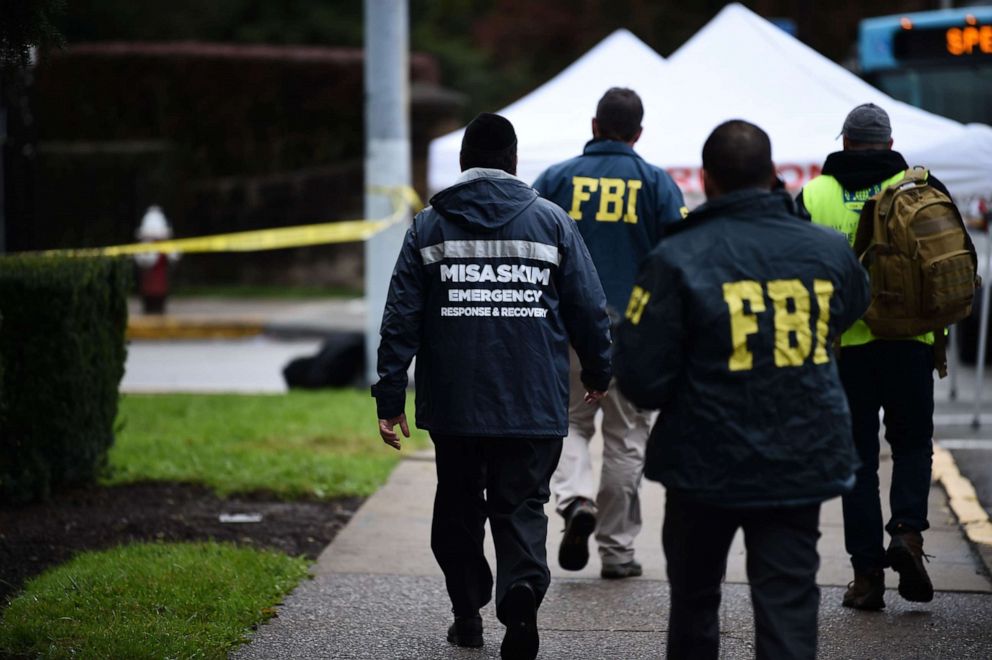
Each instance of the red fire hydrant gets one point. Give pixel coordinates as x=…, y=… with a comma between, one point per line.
x=153, y=282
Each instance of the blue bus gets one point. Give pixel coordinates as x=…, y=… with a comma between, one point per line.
x=940, y=61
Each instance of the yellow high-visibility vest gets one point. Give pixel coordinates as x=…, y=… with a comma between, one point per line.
x=830, y=205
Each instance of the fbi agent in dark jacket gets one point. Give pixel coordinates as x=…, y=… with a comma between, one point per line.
x=620, y=204
x=729, y=333
x=492, y=285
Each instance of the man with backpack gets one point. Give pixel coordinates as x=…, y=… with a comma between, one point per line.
x=920, y=261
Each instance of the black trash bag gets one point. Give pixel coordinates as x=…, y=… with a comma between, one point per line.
x=339, y=363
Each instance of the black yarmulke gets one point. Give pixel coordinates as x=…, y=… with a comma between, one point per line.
x=489, y=132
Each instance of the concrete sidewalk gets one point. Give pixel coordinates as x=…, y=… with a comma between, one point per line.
x=377, y=593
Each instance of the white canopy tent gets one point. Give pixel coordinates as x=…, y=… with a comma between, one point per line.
x=737, y=66
x=740, y=65
x=963, y=161
x=555, y=120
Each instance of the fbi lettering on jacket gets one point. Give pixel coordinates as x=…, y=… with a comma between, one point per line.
x=790, y=305
x=617, y=198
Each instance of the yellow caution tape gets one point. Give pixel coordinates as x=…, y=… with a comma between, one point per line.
x=404, y=199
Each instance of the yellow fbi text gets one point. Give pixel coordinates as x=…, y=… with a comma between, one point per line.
x=791, y=309
x=638, y=301
x=617, y=198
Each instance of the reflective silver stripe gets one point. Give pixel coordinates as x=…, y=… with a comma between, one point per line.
x=484, y=249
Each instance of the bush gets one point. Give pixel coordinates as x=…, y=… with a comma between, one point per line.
x=62, y=355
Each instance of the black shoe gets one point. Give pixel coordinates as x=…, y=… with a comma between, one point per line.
x=519, y=608
x=619, y=571
x=466, y=631
x=580, y=521
x=905, y=556
x=866, y=592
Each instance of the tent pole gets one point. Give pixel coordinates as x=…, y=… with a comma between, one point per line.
x=983, y=332
x=952, y=361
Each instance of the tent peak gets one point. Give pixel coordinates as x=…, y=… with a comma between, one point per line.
x=623, y=35
x=620, y=33
x=735, y=8
x=739, y=25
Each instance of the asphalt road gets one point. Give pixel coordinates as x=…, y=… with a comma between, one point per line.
x=971, y=447
x=976, y=465
x=237, y=365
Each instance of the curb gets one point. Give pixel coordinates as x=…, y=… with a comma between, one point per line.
x=301, y=331
x=166, y=327
x=964, y=503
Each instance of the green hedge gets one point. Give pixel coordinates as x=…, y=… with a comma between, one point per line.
x=61, y=360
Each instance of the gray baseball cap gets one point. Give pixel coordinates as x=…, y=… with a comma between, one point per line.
x=867, y=123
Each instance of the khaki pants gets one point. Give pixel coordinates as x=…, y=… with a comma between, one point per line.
x=625, y=433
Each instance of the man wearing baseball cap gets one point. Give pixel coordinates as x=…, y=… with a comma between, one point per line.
x=895, y=375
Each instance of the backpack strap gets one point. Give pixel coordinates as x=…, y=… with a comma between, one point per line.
x=865, y=231
x=915, y=176
x=940, y=352
x=917, y=173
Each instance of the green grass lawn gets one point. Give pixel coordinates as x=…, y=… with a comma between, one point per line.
x=200, y=600
x=302, y=444
x=194, y=600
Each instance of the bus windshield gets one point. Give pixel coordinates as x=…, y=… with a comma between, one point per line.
x=940, y=61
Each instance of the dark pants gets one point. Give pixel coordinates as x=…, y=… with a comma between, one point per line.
x=504, y=480
x=896, y=376
x=781, y=567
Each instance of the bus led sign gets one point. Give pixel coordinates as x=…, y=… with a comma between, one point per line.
x=963, y=41
x=969, y=40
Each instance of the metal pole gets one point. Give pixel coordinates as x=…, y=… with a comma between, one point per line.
x=3, y=148
x=952, y=361
x=983, y=332
x=387, y=150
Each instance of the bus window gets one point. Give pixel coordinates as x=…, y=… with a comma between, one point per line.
x=940, y=61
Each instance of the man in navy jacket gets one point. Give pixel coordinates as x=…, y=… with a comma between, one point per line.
x=492, y=285
x=620, y=204
x=730, y=332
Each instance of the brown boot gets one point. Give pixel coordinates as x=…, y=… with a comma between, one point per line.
x=905, y=556
x=866, y=592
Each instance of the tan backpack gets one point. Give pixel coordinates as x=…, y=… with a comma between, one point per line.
x=921, y=262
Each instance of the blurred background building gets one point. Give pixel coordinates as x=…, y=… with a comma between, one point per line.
x=243, y=114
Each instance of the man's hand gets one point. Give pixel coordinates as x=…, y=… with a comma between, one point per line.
x=594, y=396
x=388, y=433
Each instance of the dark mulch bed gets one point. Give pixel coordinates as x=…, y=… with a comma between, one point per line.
x=38, y=536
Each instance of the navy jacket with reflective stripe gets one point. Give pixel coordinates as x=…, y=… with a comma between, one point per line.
x=491, y=286
x=620, y=204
